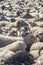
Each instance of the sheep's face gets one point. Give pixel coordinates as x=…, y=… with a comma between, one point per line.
x=23, y=31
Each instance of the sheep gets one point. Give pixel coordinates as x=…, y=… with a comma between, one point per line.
x=35, y=54
x=40, y=36
x=4, y=52
x=12, y=32
x=27, y=35
x=40, y=24
x=39, y=61
x=12, y=25
x=5, y=40
x=4, y=55
x=4, y=23
x=36, y=29
x=29, y=39
x=17, y=58
x=41, y=51
x=20, y=23
x=36, y=46
x=15, y=46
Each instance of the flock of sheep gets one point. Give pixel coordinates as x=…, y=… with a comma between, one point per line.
x=21, y=32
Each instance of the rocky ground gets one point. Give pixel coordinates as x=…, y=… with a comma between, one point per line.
x=21, y=32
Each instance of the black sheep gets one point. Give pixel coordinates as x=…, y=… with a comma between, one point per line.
x=20, y=57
